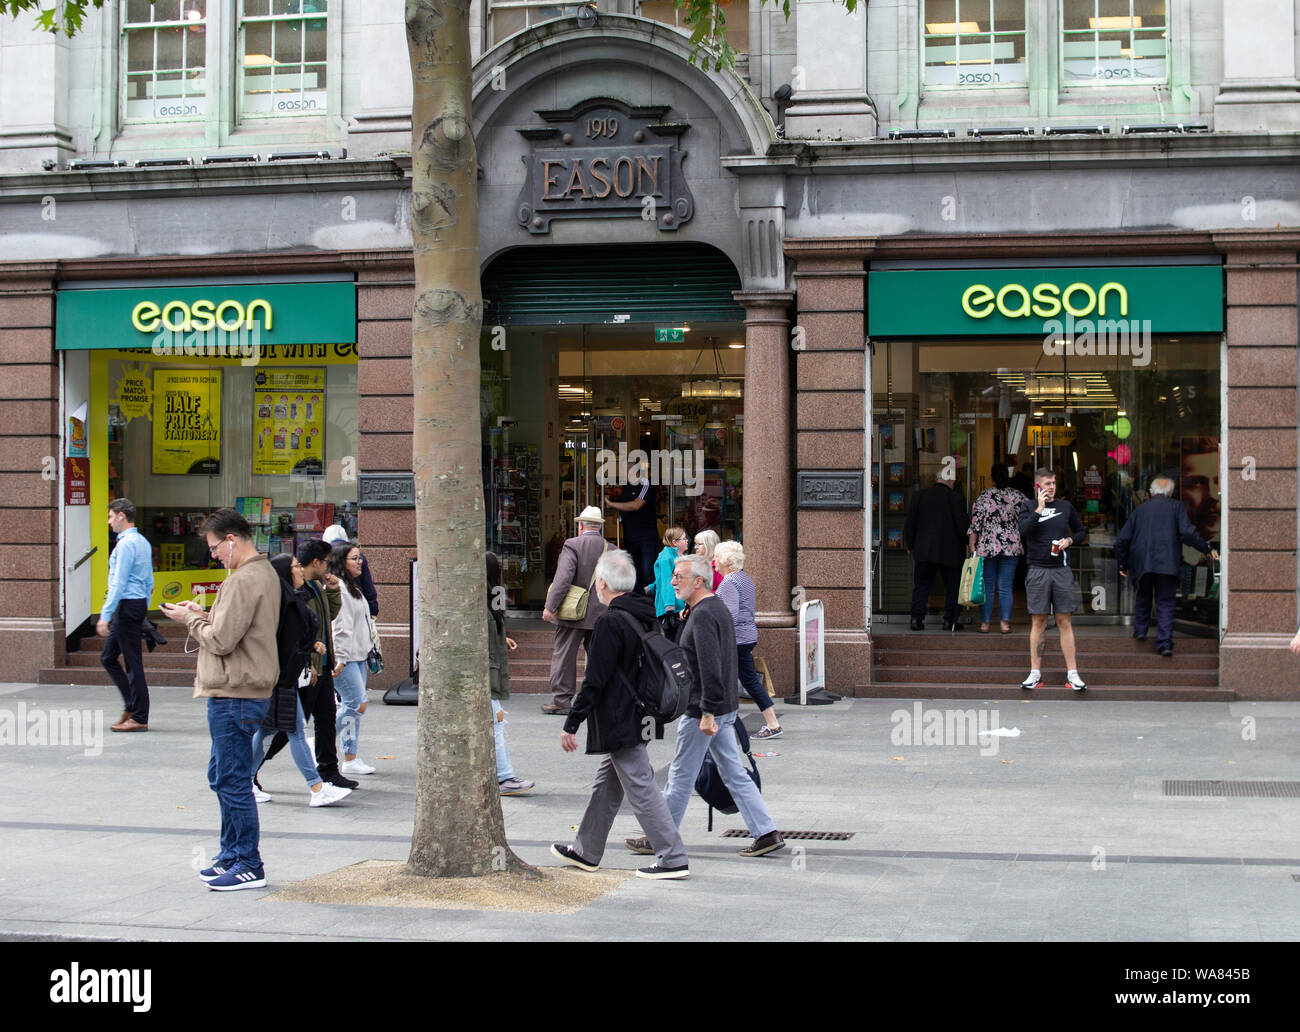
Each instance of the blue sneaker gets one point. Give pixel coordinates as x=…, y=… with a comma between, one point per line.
x=218, y=868
x=241, y=876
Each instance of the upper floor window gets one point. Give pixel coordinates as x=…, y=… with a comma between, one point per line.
x=165, y=47
x=667, y=11
x=510, y=16
x=974, y=42
x=282, y=51
x=1113, y=41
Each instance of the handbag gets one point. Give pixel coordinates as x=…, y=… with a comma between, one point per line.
x=375, y=657
x=574, y=606
x=971, y=592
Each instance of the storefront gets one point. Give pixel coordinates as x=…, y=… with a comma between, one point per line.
x=1109, y=376
x=214, y=393
x=591, y=355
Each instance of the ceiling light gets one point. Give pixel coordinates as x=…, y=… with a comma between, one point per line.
x=947, y=28
x=736, y=347
x=1115, y=21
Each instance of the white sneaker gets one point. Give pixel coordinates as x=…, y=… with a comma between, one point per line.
x=328, y=795
x=260, y=796
x=1075, y=681
x=357, y=766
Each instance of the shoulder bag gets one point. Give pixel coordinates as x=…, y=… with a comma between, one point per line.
x=375, y=657
x=574, y=606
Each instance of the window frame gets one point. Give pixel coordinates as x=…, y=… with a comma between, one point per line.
x=959, y=87
x=124, y=77
x=1063, y=35
x=243, y=117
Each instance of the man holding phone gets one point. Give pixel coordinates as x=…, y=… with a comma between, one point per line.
x=238, y=666
x=1047, y=530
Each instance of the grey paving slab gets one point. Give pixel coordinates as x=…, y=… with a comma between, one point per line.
x=947, y=843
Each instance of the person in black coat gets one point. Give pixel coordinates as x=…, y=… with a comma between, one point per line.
x=615, y=729
x=1149, y=548
x=935, y=534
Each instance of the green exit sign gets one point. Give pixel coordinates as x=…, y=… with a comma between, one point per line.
x=669, y=335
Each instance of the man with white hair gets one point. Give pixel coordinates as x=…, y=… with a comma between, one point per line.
x=709, y=641
x=935, y=534
x=1149, y=548
x=616, y=730
x=576, y=568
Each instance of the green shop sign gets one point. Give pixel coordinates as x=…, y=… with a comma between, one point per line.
x=173, y=317
x=1006, y=302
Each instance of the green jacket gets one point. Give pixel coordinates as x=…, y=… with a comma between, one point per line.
x=324, y=602
x=498, y=661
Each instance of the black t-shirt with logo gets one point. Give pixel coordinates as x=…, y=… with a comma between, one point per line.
x=642, y=524
x=1059, y=519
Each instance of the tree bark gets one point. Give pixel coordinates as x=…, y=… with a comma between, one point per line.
x=459, y=831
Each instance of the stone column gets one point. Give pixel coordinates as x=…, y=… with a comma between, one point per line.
x=1259, y=91
x=768, y=491
x=830, y=74
x=1260, y=454
x=385, y=418
x=31, y=622
x=831, y=563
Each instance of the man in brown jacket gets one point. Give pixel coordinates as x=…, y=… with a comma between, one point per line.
x=238, y=667
x=576, y=566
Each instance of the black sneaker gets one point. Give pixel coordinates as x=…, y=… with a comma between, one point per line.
x=657, y=871
x=1166, y=650
x=769, y=843
x=640, y=845
x=570, y=857
x=339, y=781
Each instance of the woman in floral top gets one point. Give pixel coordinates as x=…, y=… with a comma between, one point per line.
x=994, y=537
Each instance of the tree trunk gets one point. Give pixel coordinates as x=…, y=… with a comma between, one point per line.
x=459, y=831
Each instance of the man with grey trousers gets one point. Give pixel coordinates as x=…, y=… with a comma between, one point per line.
x=709, y=641
x=576, y=566
x=617, y=731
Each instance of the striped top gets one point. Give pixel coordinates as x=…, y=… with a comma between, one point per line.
x=738, y=592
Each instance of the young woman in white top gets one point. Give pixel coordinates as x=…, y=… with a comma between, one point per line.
x=352, y=642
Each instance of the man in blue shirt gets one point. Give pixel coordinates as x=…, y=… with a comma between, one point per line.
x=121, y=621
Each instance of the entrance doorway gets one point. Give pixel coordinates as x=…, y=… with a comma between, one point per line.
x=637, y=354
x=1105, y=425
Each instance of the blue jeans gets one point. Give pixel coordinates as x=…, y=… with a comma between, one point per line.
x=999, y=572
x=232, y=723
x=692, y=744
x=504, y=770
x=297, y=748
x=749, y=679
x=351, y=686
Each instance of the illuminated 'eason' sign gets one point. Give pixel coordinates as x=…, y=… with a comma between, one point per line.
x=148, y=317
x=1044, y=300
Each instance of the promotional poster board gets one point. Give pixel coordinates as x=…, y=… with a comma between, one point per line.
x=289, y=422
x=187, y=421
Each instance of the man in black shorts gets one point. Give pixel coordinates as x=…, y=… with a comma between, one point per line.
x=1047, y=530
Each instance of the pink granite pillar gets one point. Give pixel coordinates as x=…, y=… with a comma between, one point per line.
x=769, y=477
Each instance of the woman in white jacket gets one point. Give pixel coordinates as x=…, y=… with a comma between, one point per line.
x=352, y=642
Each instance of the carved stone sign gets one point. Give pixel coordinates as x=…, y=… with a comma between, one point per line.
x=603, y=157
x=830, y=490
x=386, y=490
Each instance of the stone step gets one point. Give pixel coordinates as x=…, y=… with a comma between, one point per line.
x=1107, y=693
x=957, y=659
x=1011, y=676
x=969, y=638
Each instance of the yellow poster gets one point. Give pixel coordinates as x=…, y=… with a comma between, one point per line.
x=134, y=396
x=289, y=422
x=187, y=421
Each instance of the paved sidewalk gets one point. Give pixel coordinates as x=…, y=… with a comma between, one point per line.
x=1063, y=833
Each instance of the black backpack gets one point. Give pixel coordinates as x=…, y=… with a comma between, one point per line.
x=709, y=784
x=663, y=683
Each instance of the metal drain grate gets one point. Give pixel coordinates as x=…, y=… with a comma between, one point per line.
x=821, y=836
x=1233, y=789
